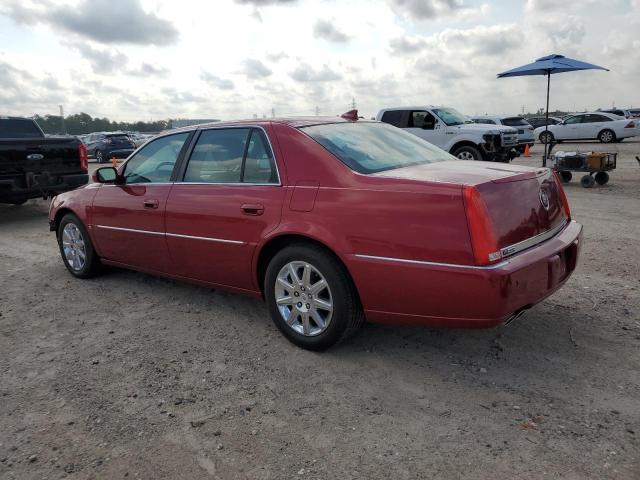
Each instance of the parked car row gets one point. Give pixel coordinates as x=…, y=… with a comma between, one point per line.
x=605, y=127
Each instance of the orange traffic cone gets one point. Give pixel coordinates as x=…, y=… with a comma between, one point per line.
x=114, y=162
x=526, y=150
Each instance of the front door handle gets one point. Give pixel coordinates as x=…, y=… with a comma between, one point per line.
x=149, y=203
x=252, y=209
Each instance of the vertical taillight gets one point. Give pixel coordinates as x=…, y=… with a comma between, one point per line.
x=563, y=196
x=84, y=159
x=483, y=238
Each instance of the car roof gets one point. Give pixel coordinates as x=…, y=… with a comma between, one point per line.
x=296, y=122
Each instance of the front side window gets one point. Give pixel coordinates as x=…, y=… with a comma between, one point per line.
x=154, y=163
x=422, y=119
x=368, y=147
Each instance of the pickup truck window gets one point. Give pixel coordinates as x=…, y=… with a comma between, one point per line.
x=394, y=117
x=422, y=119
x=451, y=116
x=374, y=147
x=19, y=128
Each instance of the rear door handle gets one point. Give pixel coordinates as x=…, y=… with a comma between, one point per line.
x=252, y=209
x=151, y=203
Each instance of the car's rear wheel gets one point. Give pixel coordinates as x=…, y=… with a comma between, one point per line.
x=546, y=137
x=607, y=136
x=467, y=152
x=76, y=248
x=311, y=297
x=99, y=156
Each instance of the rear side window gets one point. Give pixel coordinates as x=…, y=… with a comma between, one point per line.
x=19, y=128
x=154, y=163
x=232, y=155
x=394, y=118
x=596, y=119
x=514, y=122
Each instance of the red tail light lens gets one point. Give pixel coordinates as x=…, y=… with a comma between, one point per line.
x=563, y=196
x=483, y=238
x=630, y=125
x=84, y=159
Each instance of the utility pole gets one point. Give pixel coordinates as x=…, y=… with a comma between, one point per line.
x=273, y=112
x=353, y=103
x=317, y=111
x=64, y=130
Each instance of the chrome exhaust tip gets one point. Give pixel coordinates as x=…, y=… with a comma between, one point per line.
x=515, y=316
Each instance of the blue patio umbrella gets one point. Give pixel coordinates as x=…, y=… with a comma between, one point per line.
x=547, y=66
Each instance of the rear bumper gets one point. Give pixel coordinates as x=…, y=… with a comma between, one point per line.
x=419, y=293
x=28, y=186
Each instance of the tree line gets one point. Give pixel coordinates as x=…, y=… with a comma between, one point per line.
x=81, y=123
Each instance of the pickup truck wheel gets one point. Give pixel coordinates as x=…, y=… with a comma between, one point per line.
x=76, y=248
x=467, y=153
x=607, y=136
x=99, y=156
x=311, y=298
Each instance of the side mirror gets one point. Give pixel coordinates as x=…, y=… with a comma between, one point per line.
x=106, y=175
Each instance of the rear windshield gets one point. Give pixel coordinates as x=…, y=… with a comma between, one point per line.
x=368, y=147
x=514, y=122
x=19, y=128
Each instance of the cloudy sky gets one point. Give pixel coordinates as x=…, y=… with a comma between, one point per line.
x=153, y=59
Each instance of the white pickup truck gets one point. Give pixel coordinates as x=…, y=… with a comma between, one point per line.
x=455, y=133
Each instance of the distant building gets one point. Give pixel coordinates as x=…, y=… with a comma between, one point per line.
x=185, y=122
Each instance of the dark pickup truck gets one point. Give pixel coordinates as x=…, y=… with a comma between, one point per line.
x=32, y=165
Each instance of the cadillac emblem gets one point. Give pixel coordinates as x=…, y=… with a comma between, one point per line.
x=544, y=199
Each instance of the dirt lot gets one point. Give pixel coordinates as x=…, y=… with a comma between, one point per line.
x=132, y=376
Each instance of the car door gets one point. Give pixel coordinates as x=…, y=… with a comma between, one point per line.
x=228, y=198
x=571, y=129
x=128, y=218
x=594, y=124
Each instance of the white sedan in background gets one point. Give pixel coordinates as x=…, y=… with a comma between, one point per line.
x=605, y=127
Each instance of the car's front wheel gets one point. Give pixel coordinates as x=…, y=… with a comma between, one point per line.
x=467, y=152
x=311, y=297
x=76, y=248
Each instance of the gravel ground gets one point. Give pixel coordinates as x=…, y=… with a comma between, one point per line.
x=132, y=376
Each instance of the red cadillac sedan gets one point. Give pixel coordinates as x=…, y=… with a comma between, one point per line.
x=331, y=221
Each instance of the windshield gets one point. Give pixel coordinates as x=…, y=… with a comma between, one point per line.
x=451, y=116
x=368, y=147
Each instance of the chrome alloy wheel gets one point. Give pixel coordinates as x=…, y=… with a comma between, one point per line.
x=606, y=136
x=73, y=246
x=304, y=298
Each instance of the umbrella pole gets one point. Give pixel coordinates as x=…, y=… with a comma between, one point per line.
x=546, y=123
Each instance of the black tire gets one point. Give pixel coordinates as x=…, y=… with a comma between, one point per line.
x=92, y=264
x=546, y=137
x=602, y=178
x=467, y=152
x=565, y=176
x=347, y=316
x=587, y=181
x=99, y=156
x=607, y=136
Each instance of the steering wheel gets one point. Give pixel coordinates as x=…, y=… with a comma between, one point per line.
x=162, y=164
